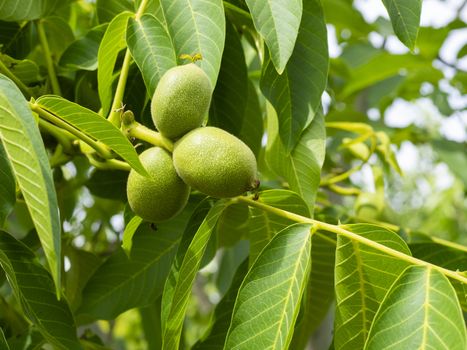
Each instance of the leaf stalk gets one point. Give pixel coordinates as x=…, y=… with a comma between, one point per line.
x=48, y=58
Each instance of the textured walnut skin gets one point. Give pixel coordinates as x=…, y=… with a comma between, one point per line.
x=215, y=162
x=164, y=194
x=181, y=100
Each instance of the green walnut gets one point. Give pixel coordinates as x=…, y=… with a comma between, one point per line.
x=181, y=100
x=161, y=196
x=215, y=163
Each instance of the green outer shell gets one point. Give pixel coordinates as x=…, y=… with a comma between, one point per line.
x=163, y=195
x=215, y=162
x=181, y=100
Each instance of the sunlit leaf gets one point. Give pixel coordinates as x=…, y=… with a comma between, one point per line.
x=269, y=298
x=197, y=27
x=34, y=289
x=278, y=23
x=93, y=125
x=151, y=48
x=405, y=19
x=420, y=311
x=112, y=42
x=182, y=275
x=13, y=10
x=363, y=275
x=23, y=146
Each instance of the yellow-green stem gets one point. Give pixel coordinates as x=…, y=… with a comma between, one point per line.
x=114, y=115
x=24, y=89
x=234, y=8
x=100, y=148
x=142, y=132
x=48, y=58
x=340, y=230
x=109, y=164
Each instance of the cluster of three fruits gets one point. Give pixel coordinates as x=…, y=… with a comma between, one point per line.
x=207, y=159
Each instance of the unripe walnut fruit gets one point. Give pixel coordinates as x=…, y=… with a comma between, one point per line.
x=161, y=196
x=215, y=163
x=181, y=100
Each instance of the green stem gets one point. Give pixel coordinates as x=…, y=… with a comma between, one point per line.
x=114, y=115
x=59, y=158
x=100, y=148
x=142, y=132
x=109, y=164
x=234, y=8
x=6, y=71
x=340, y=230
x=63, y=137
x=344, y=191
x=48, y=58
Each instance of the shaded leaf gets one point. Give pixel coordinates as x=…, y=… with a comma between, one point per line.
x=269, y=298
x=405, y=19
x=197, y=27
x=278, y=23
x=112, y=42
x=220, y=322
x=302, y=168
x=151, y=48
x=420, y=311
x=34, y=289
x=108, y=9
x=59, y=35
x=92, y=124
x=363, y=275
x=123, y=282
x=182, y=275
x=7, y=187
x=297, y=96
x=23, y=146
x=109, y=184
x=229, y=99
x=82, y=53
x=252, y=128
x=25, y=70
x=3, y=343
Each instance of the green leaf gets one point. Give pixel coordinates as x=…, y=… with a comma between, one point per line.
x=252, y=128
x=230, y=96
x=220, y=322
x=302, y=168
x=197, y=27
x=23, y=145
x=25, y=70
x=320, y=289
x=130, y=230
x=363, y=275
x=269, y=298
x=112, y=42
x=453, y=154
x=59, y=35
x=405, y=19
x=82, y=53
x=26, y=10
x=3, y=343
x=93, y=125
x=278, y=23
x=108, y=9
x=263, y=225
x=34, y=289
x=110, y=184
x=178, y=286
x=151, y=48
x=297, y=96
x=420, y=311
x=7, y=186
x=123, y=282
